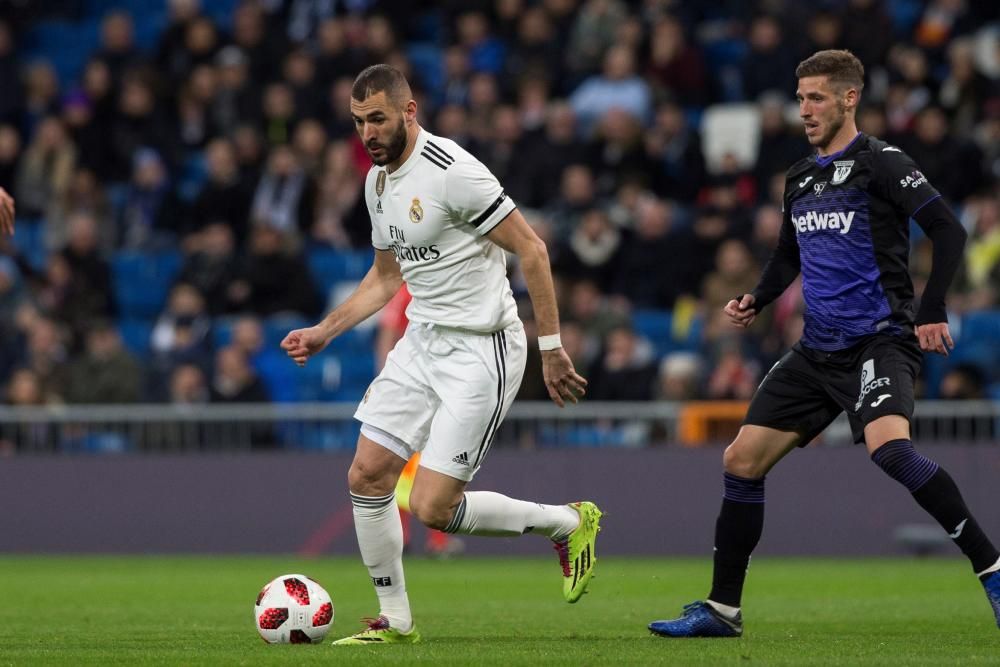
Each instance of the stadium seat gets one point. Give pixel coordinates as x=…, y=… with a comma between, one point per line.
x=329, y=266
x=142, y=281
x=29, y=239
x=136, y=335
x=730, y=128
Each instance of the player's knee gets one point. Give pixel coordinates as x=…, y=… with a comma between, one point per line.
x=433, y=515
x=366, y=480
x=736, y=460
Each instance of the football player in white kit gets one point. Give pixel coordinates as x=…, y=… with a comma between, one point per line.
x=442, y=223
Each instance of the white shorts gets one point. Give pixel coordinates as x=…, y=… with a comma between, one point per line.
x=444, y=393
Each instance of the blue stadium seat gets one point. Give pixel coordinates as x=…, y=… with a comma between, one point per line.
x=29, y=239
x=136, y=335
x=329, y=266
x=142, y=281
x=656, y=327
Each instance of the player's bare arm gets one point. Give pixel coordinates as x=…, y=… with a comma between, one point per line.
x=379, y=285
x=516, y=236
x=6, y=213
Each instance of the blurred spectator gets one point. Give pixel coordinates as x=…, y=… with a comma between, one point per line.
x=549, y=158
x=647, y=271
x=188, y=386
x=41, y=95
x=676, y=67
x=262, y=47
x=279, y=113
x=10, y=156
x=117, y=48
x=593, y=312
x=249, y=148
x=735, y=273
x=617, y=87
x=85, y=194
x=594, y=250
x=300, y=74
x=341, y=218
x=24, y=389
x=170, y=52
x=965, y=90
x=964, y=382
x=616, y=152
x=138, y=124
x=486, y=53
x=577, y=195
x=534, y=50
x=12, y=101
x=225, y=196
x=194, y=125
x=335, y=58
x=503, y=154
x=309, y=144
x=107, y=372
x=870, y=32
x=733, y=376
x=234, y=380
x=680, y=377
x=769, y=65
x=781, y=145
x=944, y=160
x=593, y=34
x=77, y=285
x=980, y=277
x=182, y=334
x=273, y=279
x=248, y=336
x=88, y=131
x=211, y=265
x=236, y=95
x=47, y=358
x=285, y=196
x=45, y=169
x=149, y=213
x=625, y=371
x=674, y=148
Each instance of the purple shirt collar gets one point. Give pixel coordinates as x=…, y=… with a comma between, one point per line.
x=827, y=159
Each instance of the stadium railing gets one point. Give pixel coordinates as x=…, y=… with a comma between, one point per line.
x=330, y=426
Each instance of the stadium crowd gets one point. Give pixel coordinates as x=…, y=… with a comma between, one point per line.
x=225, y=139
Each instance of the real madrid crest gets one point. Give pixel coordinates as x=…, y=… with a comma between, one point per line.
x=380, y=183
x=841, y=172
x=416, y=213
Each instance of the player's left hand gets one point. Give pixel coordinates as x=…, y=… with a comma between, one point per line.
x=6, y=213
x=561, y=379
x=935, y=338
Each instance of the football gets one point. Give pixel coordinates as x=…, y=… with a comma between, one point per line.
x=293, y=609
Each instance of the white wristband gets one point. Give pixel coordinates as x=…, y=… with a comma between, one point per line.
x=551, y=342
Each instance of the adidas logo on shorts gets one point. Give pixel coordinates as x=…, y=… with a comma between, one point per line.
x=462, y=459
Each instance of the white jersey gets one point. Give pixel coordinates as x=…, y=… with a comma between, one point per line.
x=433, y=213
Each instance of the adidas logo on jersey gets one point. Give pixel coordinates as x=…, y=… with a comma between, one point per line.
x=462, y=459
x=813, y=221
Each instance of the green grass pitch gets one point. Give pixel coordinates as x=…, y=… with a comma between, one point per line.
x=478, y=611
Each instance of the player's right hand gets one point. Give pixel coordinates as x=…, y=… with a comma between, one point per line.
x=741, y=312
x=301, y=344
x=6, y=213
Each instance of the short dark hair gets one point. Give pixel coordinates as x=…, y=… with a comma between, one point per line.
x=841, y=66
x=381, y=78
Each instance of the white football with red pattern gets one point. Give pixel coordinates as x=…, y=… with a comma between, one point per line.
x=293, y=609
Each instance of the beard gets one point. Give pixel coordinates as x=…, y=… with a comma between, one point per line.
x=393, y=149
x=834, y=126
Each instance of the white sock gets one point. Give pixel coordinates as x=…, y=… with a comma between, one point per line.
x=495, y=515
x=992, y=568
x=724, y=609
x=380, y=537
